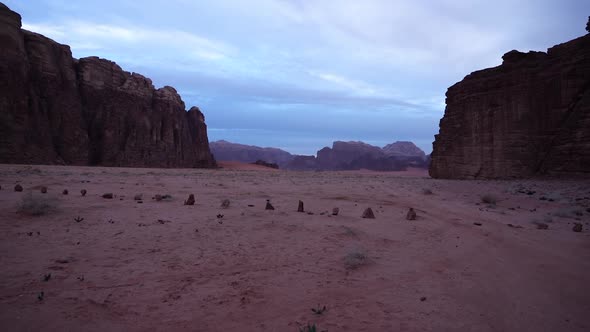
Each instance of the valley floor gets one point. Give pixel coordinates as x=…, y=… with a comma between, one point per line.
x=165, y=266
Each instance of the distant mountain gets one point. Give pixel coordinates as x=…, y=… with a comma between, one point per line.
x=359, y=155
x=227, y=151
x=403, y=149
x=341, y=156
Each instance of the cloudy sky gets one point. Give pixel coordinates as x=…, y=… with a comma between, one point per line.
x=299, y=74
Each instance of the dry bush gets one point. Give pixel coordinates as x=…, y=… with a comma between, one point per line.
x=355, y=259
x=568, y=212
x=33, y=205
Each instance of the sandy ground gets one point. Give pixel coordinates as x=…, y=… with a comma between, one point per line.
x=165, y=266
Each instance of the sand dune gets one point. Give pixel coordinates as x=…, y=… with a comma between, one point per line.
x=165, y=266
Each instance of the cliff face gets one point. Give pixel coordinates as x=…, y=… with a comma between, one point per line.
x=56, y=109
x=227, y=151
x=529, y=116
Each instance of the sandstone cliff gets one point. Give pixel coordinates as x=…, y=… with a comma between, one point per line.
x=529, y=116
x=56, y=109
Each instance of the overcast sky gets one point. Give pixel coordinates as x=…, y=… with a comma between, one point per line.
x=298, y=74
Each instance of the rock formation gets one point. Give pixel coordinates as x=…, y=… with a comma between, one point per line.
x=359, y=155
x=55, y=109
x=403, y=149
x=227, y=151
x=530, y=116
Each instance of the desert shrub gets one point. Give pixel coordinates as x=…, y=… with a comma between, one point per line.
x=308, y=328
x=35, y=205
x=355, y=259
x=349, y=231
x=489, y=199
x=569, y=212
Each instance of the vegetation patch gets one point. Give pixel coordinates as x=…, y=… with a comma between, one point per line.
x=33, y=205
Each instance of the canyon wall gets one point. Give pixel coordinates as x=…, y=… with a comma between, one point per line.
x=55, y=109
x=528, y=117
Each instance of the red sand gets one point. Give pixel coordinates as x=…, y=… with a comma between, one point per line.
x=257, y=270
x=240, y=166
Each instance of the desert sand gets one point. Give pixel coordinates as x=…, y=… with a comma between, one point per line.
x=166, y=266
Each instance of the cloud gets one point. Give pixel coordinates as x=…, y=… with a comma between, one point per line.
x=89, y=35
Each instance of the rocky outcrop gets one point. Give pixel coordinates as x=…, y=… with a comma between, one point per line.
x=360, y=155
x=530, y=116
x=55, y=109
x=227, y=151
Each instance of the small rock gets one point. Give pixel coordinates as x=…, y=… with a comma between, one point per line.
x=477, y=223
x=47, y=277
x=300, y=207
x=41, y=296
x=411, y=215
x=65, y=192
x=107, y=195
x=368, y=214
x=138, y=197
x=83, y=192
x=158, y=197
x=577, y=227
x=44, y=190
x=225, y=203
x=190, y=200
x=268, y=205
x=335, y=211
x=18, y=188
x=423, y=298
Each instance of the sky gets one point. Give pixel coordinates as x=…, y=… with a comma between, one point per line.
x=300, y=74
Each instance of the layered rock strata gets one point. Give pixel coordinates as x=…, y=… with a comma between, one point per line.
x=530, y=116
x=55, y=109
